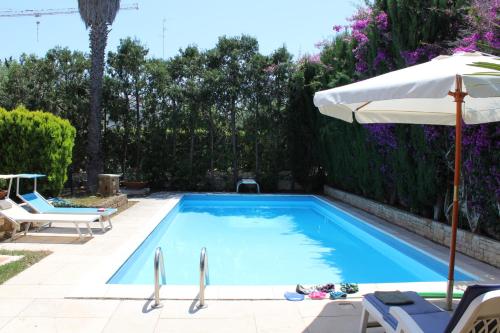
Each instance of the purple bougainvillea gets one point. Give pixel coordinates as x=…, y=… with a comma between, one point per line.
x=468, y=44
x=431, y=133
x=360, y=22
x=481, y=174
x=360, y=25
x=337, y=28
x=483, y=27
x=364, y=20
x=311, y=58
x=422, y=53
x=321, y=44
x=361, y=66
x=360, y=37
x=410, y=57
x=382, y=21
x=382, y=56
x=383, y=135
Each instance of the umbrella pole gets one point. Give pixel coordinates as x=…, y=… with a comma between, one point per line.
x=459, y=95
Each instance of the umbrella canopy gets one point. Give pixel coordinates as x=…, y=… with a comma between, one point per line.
x=444, y=91
x=419, y=94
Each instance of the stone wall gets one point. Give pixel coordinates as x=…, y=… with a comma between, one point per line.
x=114, y=201
x=5, y=227
x=475, y=246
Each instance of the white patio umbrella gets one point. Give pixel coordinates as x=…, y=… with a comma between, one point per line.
x=443, y=91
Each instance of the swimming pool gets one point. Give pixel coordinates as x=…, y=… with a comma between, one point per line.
x=276, y=240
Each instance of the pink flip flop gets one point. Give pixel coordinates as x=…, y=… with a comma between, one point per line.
x=317, y=295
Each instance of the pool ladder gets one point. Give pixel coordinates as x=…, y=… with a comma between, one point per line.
x=158, y=265
x=203, y=277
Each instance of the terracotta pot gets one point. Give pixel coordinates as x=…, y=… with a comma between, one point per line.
x=135, y=185
x=3, y=194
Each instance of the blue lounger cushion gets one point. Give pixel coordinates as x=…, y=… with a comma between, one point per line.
x=419, y=307
x=39, y=204
x=435, y=322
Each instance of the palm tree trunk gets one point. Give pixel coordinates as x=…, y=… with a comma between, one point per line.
x=98, y=37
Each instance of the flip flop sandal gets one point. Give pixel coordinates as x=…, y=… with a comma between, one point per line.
x=338, y=295
x=349, y=288
x=291, y=296
x=303, y=290
x=326, y=288
x=317, y=295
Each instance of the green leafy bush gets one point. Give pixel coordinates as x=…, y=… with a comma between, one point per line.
x=36, y=142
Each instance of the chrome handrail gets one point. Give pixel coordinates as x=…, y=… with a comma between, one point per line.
x=247, y=181
x=158, y=265
x=203, y=277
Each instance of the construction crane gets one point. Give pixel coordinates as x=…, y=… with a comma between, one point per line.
x=46, y=12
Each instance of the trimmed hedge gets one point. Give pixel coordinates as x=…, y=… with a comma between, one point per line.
x=36, y=142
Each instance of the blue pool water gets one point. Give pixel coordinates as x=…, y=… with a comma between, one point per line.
x=276, y=240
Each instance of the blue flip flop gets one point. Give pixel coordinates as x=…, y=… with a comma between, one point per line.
x=337, y=295
x=291, y=296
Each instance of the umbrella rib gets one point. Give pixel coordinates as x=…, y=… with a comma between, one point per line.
x=362, y=106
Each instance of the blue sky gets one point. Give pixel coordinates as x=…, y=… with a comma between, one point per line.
x=296, y=23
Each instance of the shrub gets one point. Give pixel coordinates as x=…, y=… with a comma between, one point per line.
x=36, y=142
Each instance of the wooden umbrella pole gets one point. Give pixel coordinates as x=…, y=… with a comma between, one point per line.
x=459, y=95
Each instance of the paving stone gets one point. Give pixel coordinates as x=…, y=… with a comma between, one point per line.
x=207, y=325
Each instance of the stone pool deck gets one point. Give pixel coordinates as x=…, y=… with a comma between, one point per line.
x=66, y=291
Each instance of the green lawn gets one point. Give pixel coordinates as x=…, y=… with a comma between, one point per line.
x=30, y=258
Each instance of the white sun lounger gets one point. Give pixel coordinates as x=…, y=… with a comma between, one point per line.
x=17, y=215
x=478, y=311
x=42, y=206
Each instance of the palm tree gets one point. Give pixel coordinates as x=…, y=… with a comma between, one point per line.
x=97, y=15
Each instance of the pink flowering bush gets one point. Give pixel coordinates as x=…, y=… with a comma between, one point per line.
x=337, y=28
x=382, y=21
x=415, y=163
x=482, y=31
